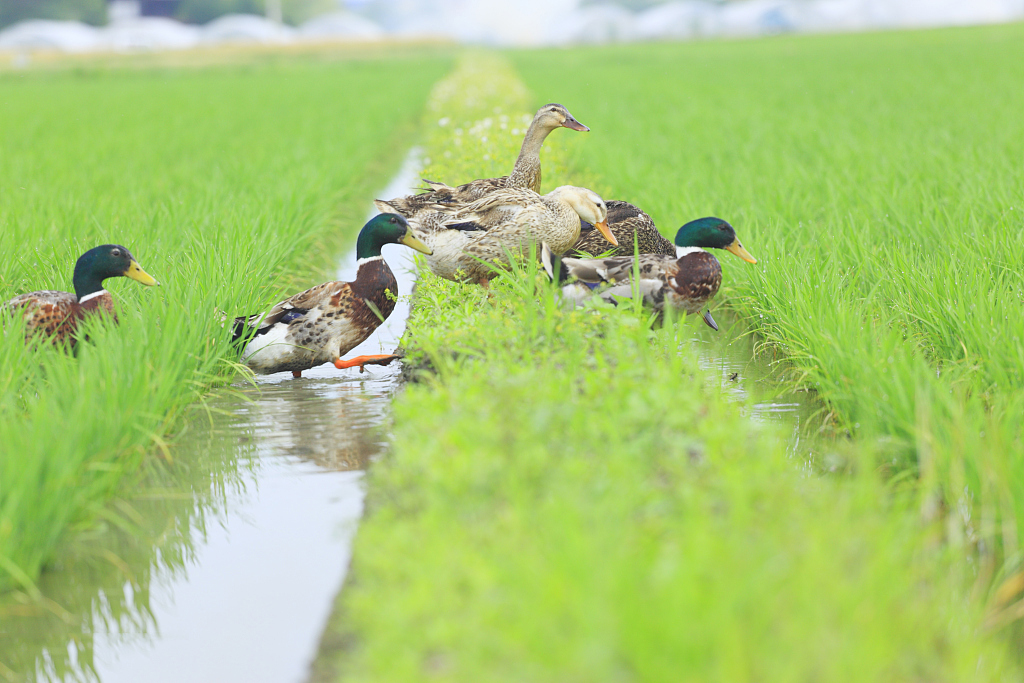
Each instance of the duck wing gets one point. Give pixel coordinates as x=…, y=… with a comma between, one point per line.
x=629, y=224
x=49, y=312
x=291, y=309
x=440, y=195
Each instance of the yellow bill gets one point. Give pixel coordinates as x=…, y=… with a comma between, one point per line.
x=136, y=273
x=737, y=248
x=602, y=227
x=410, y=240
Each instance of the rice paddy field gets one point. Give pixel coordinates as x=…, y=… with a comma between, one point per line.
x=587, y=509
x=574, y=495
x=224, y=190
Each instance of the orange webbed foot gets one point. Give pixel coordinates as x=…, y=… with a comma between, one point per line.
x=296, y=373
x=362, y=361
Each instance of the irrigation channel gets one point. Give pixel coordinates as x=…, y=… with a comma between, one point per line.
x=230, y=570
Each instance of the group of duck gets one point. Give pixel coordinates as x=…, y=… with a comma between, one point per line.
x=469, y=233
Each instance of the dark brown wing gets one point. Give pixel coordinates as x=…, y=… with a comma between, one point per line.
x=628, y=223
x=328, y=293
x=441, y=194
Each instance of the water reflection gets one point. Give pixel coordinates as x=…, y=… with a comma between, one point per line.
x=728, y=358
x=102, y=581
x=242, y=541
x=328, y=421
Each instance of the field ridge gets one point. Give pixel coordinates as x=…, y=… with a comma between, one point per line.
x=570, y=500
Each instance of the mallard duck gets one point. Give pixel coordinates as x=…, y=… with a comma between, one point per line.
x=466, y=239
x=686, y=281
x=320, y=324
x=525, y=174
x=56, y=314
x=628, y=223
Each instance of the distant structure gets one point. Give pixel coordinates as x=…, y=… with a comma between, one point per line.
x=148, y=25
x=158, y=8
x=123, y=10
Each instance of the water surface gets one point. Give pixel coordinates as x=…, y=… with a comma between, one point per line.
x=235, y=551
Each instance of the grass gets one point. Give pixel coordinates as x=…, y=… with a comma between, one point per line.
x=878, y=180
x=230, y=185
x=567, y=499
x=103, y=577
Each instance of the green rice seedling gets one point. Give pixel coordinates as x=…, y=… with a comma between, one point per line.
x=879, y=180
x=230, y=185
x=567, y=498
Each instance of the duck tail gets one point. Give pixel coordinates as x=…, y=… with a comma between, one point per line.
x=437, y=186
x=385, y=206
x=240, y=330
x=553, y=265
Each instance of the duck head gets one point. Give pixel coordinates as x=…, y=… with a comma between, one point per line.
x=553, y=116
x=386, y=228
x=106, y=261
x=712, y=233
x=589, y=206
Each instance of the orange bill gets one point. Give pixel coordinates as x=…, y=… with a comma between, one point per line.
x=602, y=227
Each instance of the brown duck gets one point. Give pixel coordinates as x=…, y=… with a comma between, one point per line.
x=629, y=224
x=525, y=174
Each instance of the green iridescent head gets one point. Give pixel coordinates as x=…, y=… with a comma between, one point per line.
x=100, y=263
x=386, y=228
x=712, y=233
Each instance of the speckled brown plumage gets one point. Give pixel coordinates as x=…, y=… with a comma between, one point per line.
x=468, y=238
x=57, y=314
x=627, y=223
x=686, y=283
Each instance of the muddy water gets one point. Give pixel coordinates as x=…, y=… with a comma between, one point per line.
x=233, y=557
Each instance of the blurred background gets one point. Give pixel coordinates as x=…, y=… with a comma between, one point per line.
x=140, y=25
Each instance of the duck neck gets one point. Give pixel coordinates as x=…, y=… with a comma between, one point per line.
x=527, y=168
x=86, y=283
x=368, y=245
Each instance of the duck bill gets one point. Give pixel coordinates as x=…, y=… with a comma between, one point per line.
x=573, y=124
x=737, y=248
x=410, y=241
x=709, y=320
x=136, y=273
x=602, y=228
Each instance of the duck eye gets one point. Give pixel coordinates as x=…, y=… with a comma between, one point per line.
x=394, y=220
x=115, y=252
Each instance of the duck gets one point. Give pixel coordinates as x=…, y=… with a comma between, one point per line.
x=629, y=224
x=685, y=281
x=467, y=239
x=526, y=173
x=325, y=322
x=56, y=315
